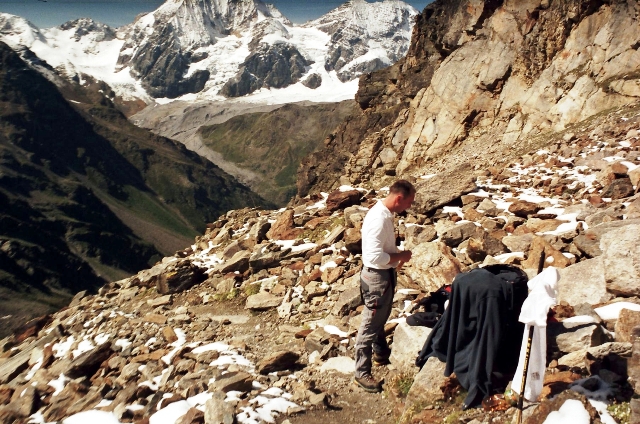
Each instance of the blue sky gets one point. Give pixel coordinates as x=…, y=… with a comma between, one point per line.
x=49, y=13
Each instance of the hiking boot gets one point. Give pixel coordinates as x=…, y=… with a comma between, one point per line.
x=380, y=359
x=368, y=384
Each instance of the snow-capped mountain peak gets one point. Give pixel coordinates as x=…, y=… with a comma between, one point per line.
x=206, y=49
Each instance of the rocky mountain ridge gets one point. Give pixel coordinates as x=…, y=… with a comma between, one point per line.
x=256, y=321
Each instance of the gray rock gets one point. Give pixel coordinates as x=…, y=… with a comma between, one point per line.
x=262, y=301
x=89, y=362
x=571, y=337
x=602, y=216
x=275, y=65
x=231, y=249
x=348, y=301
x=159, y=301
x=239, y=262
x=354, y=215
x=313, y=81
x=417, y=234
x=621, y=255
x=591, y=359
x=518, y=243
x=240, y=381
x=262, y=260
x=426, y=384
x=333, y=236
x=443, y=188
x=407, y=342
x=583, y=210
x=459, y=233
x=217, y=411
x=583, y=283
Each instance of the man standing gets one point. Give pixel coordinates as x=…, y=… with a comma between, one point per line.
x=380, y=258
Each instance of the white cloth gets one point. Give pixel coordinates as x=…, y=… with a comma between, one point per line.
x=378, y=237
x=543, y=295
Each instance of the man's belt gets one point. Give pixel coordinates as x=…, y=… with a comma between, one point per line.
x=368, y=268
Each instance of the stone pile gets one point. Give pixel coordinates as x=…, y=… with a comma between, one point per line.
x=258, y=318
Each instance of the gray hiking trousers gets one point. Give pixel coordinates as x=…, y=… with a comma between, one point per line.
x=376, y=287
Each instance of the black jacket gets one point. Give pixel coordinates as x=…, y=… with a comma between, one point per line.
x=479, y=334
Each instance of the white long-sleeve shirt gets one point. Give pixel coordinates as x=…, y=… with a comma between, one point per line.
x=378, y=238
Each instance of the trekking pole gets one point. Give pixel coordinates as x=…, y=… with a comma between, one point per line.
x=527, y=355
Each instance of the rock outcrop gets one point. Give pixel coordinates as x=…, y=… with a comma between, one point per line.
x=483, y=81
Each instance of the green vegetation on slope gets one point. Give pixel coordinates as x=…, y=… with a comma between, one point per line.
x=272, y=144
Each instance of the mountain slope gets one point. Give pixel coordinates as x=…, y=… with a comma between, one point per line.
x=85, y=193
x=271, y=144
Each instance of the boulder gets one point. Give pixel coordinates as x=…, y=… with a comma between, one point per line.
x=425, y=389
x=263, y=258
x=443, y=188
x=240, y=381
x=589, y=241
x=262, y=301
x=583, y=283
x=239, y=262
x=217, y=411
x=518, y=243
x=283, y=224
x=624, y=327
x=458, y=233
x=179, y=277
x=523, y=209
x=567, y=337
x=343, y=199
x=432, y=265
x=553, y=257
x=278, y=361
x=417, y=234
x=353, y=240
x=348, y=301
x=618, y=189
x=407, y=343
x=621, y=256
x=612, y=356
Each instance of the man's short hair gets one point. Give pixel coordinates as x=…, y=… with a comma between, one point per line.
x=402, y=187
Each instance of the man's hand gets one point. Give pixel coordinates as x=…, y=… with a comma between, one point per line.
x=404, y=256
x=400, y=257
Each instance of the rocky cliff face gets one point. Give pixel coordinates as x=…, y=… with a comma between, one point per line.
x=482, y=80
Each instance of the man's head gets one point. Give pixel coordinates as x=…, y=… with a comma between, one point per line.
x=401, y=196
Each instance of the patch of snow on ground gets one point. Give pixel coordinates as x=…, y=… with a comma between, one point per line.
x=612, y=310
x=572, y=411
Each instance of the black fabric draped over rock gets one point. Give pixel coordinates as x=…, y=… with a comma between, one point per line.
x=479, y=335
